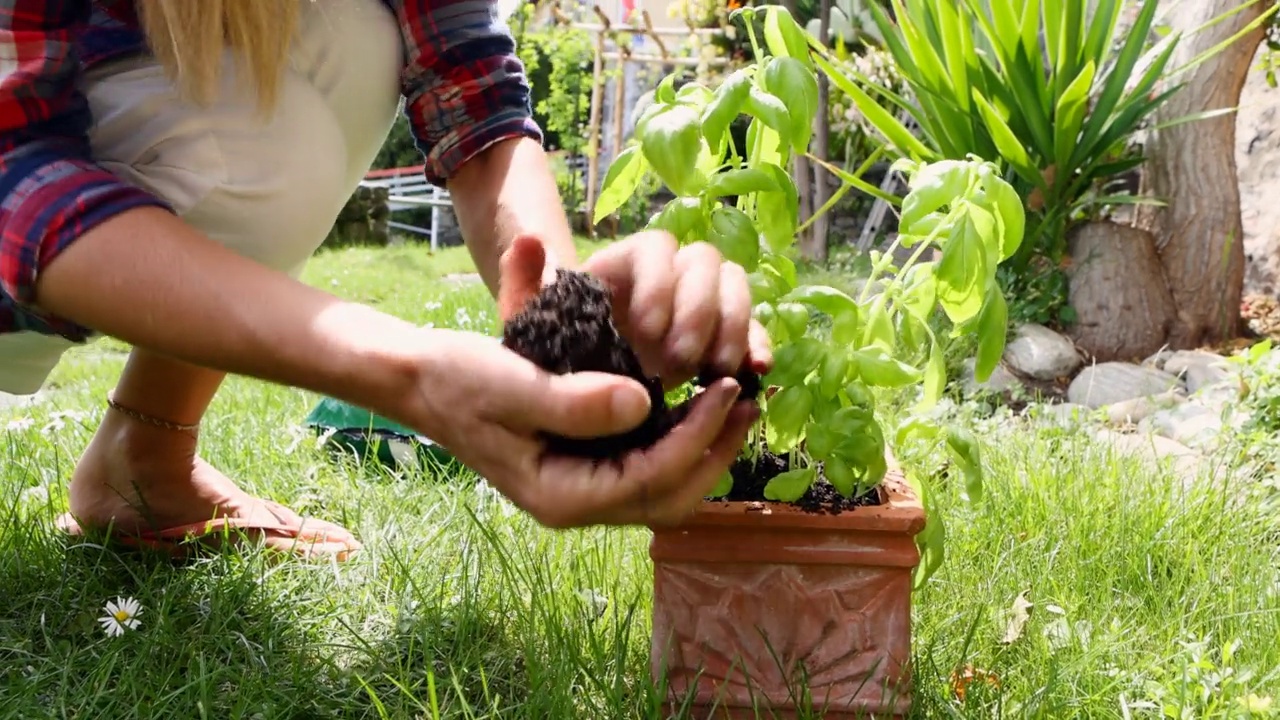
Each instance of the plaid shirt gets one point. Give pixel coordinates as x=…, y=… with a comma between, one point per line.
x=464, y=89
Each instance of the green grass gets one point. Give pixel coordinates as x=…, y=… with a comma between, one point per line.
x=460, y=608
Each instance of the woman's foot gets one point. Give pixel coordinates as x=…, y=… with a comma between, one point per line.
x=137, y=479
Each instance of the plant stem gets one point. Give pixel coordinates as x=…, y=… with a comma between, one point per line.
x=751, y=34
x=930, y=239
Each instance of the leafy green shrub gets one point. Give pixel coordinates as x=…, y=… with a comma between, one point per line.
x=1049, y=88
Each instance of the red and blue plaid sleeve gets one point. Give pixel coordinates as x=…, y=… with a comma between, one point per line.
x=464, y=87
x=51, y=192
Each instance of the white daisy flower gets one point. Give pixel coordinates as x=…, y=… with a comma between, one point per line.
x=121, y=613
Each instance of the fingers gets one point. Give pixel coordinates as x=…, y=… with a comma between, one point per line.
x=572, y=492
x=649, y=477
x=579, y=405
x=677, y=504
x=639, y=270
x=683, y=309
x=696, y=308
x=733, y=331
x=760, y=349
x=521, y=270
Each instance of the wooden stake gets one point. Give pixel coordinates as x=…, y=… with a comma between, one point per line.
x=593, y=135
x=619, y=95
x=648, y=30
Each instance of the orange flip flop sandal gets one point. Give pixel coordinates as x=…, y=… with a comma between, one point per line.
x=183, y=540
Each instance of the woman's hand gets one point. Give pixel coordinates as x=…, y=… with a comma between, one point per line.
x=489, y=407
x=682, y=309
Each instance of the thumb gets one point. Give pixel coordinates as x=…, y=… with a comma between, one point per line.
x=580, y=405
x=522, y=271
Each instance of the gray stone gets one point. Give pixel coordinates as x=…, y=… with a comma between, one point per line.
x=1135, y=410
x=1187, y=464
x=1060, y=415
x=1220, y=396
x=1113, y=382
x=1191, y=424
x=1158, y=359
x=1001, y=379
x=1198, y=368
x=1038, y=352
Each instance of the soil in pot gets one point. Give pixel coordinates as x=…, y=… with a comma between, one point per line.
x=750, y=477
x=568, y=327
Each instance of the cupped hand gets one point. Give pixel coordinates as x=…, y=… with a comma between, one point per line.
x=684, y=309
x=491, y=408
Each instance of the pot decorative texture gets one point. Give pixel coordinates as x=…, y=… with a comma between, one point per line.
x=765, y=610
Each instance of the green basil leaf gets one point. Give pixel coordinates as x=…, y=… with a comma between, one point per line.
x=723, y=487
x=735, y=236
x=879, y=369
x=672, y=144
x=726, y=104
x=784, y=37
x=879, y=328
x=778, y=212
x=796, y=86
x=770, y=110
x=840, y=475
x=963, y=449
x=791, y=485
x=833, y=371
x=920, y=291
x=1008, y=205
x=825, y=300
x=933, y=186
x=786, y=414
x=963, y=268
x=793, y=362
x=819, y=440
x=795, y=317
x=683, y=217
x=935, y=376
x=620, y=182
x=742, y=181
x=993, y=325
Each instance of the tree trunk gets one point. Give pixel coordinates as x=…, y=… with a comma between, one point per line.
x=816, y=188
x=1124, y=310
x=802, y=172
x=1192, y=168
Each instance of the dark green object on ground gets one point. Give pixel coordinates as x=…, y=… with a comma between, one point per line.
x=359, y=432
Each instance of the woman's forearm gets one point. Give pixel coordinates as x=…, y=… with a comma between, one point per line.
x=153, y=281
x=509, y=190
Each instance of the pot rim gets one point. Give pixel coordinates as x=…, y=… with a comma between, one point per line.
x=899, y=512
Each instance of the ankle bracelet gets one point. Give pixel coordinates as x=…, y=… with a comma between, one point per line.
x=140, y=417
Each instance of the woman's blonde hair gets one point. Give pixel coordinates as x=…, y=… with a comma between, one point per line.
x=188, y=38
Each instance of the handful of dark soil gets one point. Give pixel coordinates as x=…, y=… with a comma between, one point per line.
x=568, y=327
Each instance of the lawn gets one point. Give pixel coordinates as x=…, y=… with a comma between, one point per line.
x=459, y=607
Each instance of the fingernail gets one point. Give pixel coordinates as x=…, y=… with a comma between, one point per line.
x=728, y=389
x=628, y=404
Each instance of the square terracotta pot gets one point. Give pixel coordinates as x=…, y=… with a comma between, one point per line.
x=756, y=602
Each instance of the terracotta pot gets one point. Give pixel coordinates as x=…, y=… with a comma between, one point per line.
x=757, y=603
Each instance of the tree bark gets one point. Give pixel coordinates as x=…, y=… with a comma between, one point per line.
x=815, y=188
x=1192, y=168
x=1124, y=310
x=802, y=172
